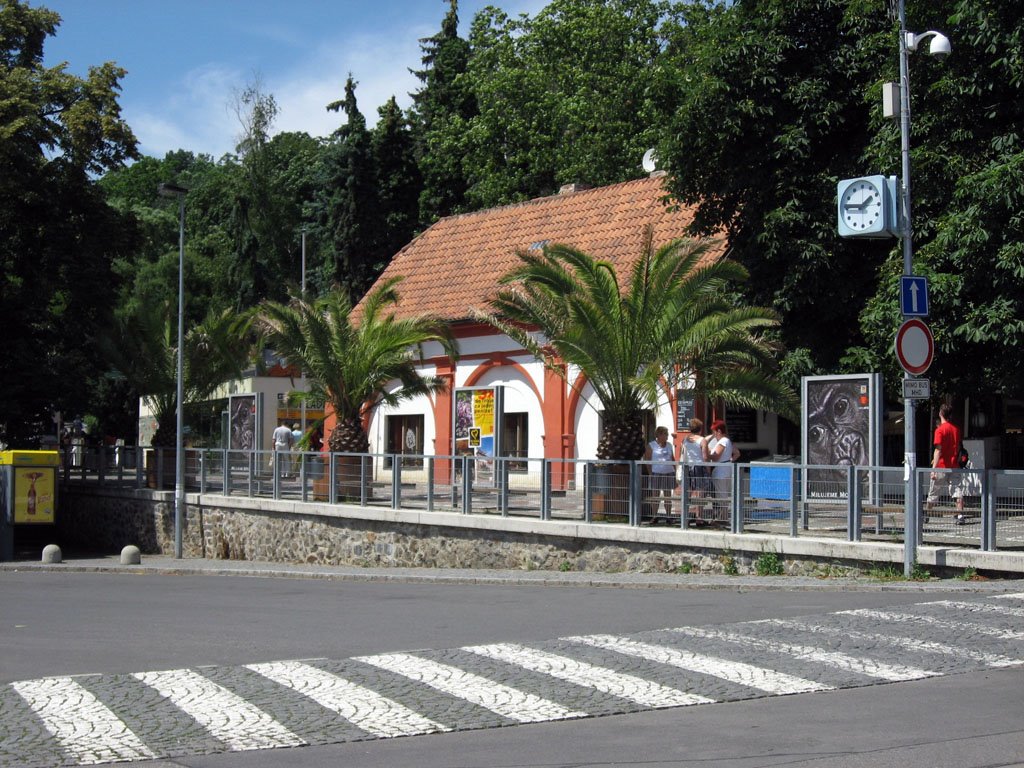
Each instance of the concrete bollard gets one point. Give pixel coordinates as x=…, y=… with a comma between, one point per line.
x=51, y=554
x=130, y=555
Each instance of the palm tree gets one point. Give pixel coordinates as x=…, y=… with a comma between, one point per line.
x=351, y=365
x=144, y=350
x=673, y=318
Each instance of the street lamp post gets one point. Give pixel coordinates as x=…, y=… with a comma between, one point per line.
x=940, y=48
x=173, y=190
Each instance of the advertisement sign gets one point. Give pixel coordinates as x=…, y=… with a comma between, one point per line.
x=841, y=427
x=475, y=431
x=34, y=495
x=243, y=426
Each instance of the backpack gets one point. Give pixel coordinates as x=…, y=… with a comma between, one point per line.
x=963, y=457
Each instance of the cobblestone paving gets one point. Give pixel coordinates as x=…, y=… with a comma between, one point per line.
x=97, y=719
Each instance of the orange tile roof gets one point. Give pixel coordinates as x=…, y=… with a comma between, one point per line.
x=454, y=265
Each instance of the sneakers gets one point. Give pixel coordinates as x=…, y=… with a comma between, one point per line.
x=961, y=519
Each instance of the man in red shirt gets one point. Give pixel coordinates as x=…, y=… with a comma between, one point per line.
x=944, y=456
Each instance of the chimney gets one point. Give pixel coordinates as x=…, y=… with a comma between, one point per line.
x=568, y=189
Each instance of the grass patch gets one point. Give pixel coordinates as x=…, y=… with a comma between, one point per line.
x=729, y=565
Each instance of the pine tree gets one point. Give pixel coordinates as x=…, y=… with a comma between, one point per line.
x=398, y=177
x=443, y=99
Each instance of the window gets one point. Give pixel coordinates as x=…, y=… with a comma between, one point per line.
x=515, y=439
x=405, y=438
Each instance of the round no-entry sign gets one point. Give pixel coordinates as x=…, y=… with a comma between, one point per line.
x=915, y=346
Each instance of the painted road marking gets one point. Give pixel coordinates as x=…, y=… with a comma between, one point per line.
x=88, y=731
x=362, y=707
x=1002, y=610
x=500, y=699
x=227, y=716
x=843, y=661
x=960, y=626
x=909, y=643
x=645, y=692
x=767, y=680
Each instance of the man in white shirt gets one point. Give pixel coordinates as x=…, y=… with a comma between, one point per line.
x=282, y=445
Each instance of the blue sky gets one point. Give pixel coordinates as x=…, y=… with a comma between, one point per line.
x=186, y=58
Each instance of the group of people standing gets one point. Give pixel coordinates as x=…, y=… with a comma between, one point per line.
x=708, y=457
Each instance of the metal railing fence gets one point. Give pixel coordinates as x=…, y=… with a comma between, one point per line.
x=968, y=508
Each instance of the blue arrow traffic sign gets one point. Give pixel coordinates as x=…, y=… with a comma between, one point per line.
x=914, y=296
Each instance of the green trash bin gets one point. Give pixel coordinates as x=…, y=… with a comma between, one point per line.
x=28, y=493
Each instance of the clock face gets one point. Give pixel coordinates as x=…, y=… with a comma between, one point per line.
x=861, y=206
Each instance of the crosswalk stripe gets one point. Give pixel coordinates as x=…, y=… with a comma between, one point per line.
x=500, y=699
x=227, y=716
x=362, y=707
x=934, y=621
x=767, y=680
x=645, y=692
x=843, y=661
x=86, y=729
x=1010, y=596
x=909, y=643
x=1003, y=610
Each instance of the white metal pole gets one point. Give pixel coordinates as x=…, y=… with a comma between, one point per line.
x=910, y=524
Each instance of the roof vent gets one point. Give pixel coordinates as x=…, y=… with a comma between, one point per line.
x=568, y=189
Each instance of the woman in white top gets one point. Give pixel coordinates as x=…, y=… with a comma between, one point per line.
x=696, y=450
x=722, y=453
x=662, y=478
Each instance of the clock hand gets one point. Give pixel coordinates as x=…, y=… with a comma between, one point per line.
x=863, y=203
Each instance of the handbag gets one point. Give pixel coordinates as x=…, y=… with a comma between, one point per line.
x=963, y=457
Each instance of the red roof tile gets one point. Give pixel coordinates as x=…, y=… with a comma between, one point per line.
x=455, y=265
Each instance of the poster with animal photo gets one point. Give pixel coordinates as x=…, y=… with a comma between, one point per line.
x=841, y=428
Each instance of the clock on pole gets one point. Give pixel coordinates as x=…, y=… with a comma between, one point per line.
x=867, y=207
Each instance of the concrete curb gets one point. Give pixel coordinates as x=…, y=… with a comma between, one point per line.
x=168, y=566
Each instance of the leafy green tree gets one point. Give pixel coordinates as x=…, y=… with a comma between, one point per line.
x=565, y=96
x=442, y=105
x=58, y=237
x=770, y=103
x=353, y=364
x=670, y=318
x=967, y=173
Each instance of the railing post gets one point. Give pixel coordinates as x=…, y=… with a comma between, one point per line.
x=140, y=469
x=795, y=502
x=304, y=462
x=225, y=472
x=202, y=470
x=737, y=499
x=856, y=506
x=250, y=481
x=988, y=510
x=332, y=481
x=467, y=486
x=546, y=469
x=636, y=494
x=396, y=481
x=588, y=492
x=430, y=484
x=278, y=460
x=364, y=480
x=501, y=469
x=684, y=496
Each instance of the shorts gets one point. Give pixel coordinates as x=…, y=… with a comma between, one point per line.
x=700, y=478
x=658, y=481
x=940, y=486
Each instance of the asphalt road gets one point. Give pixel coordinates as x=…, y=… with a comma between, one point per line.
x=796, y=680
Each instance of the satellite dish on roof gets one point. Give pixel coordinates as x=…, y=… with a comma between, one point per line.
x=650, y=161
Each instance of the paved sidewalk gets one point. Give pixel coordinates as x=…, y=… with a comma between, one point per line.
x=166, y=565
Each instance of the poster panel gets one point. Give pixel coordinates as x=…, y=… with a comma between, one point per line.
x=244, y=423
x=476, y=417
x=841, y=427
x=34, y=494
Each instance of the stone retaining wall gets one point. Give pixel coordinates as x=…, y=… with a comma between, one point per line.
x=105, y=520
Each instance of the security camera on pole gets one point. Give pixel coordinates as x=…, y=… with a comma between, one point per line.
x=879, y=206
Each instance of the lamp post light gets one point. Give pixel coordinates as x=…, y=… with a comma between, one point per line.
x=173, y=190
x=940, y=48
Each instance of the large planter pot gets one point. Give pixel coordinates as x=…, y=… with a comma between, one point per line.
x=349, y=478
x=611, y=491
